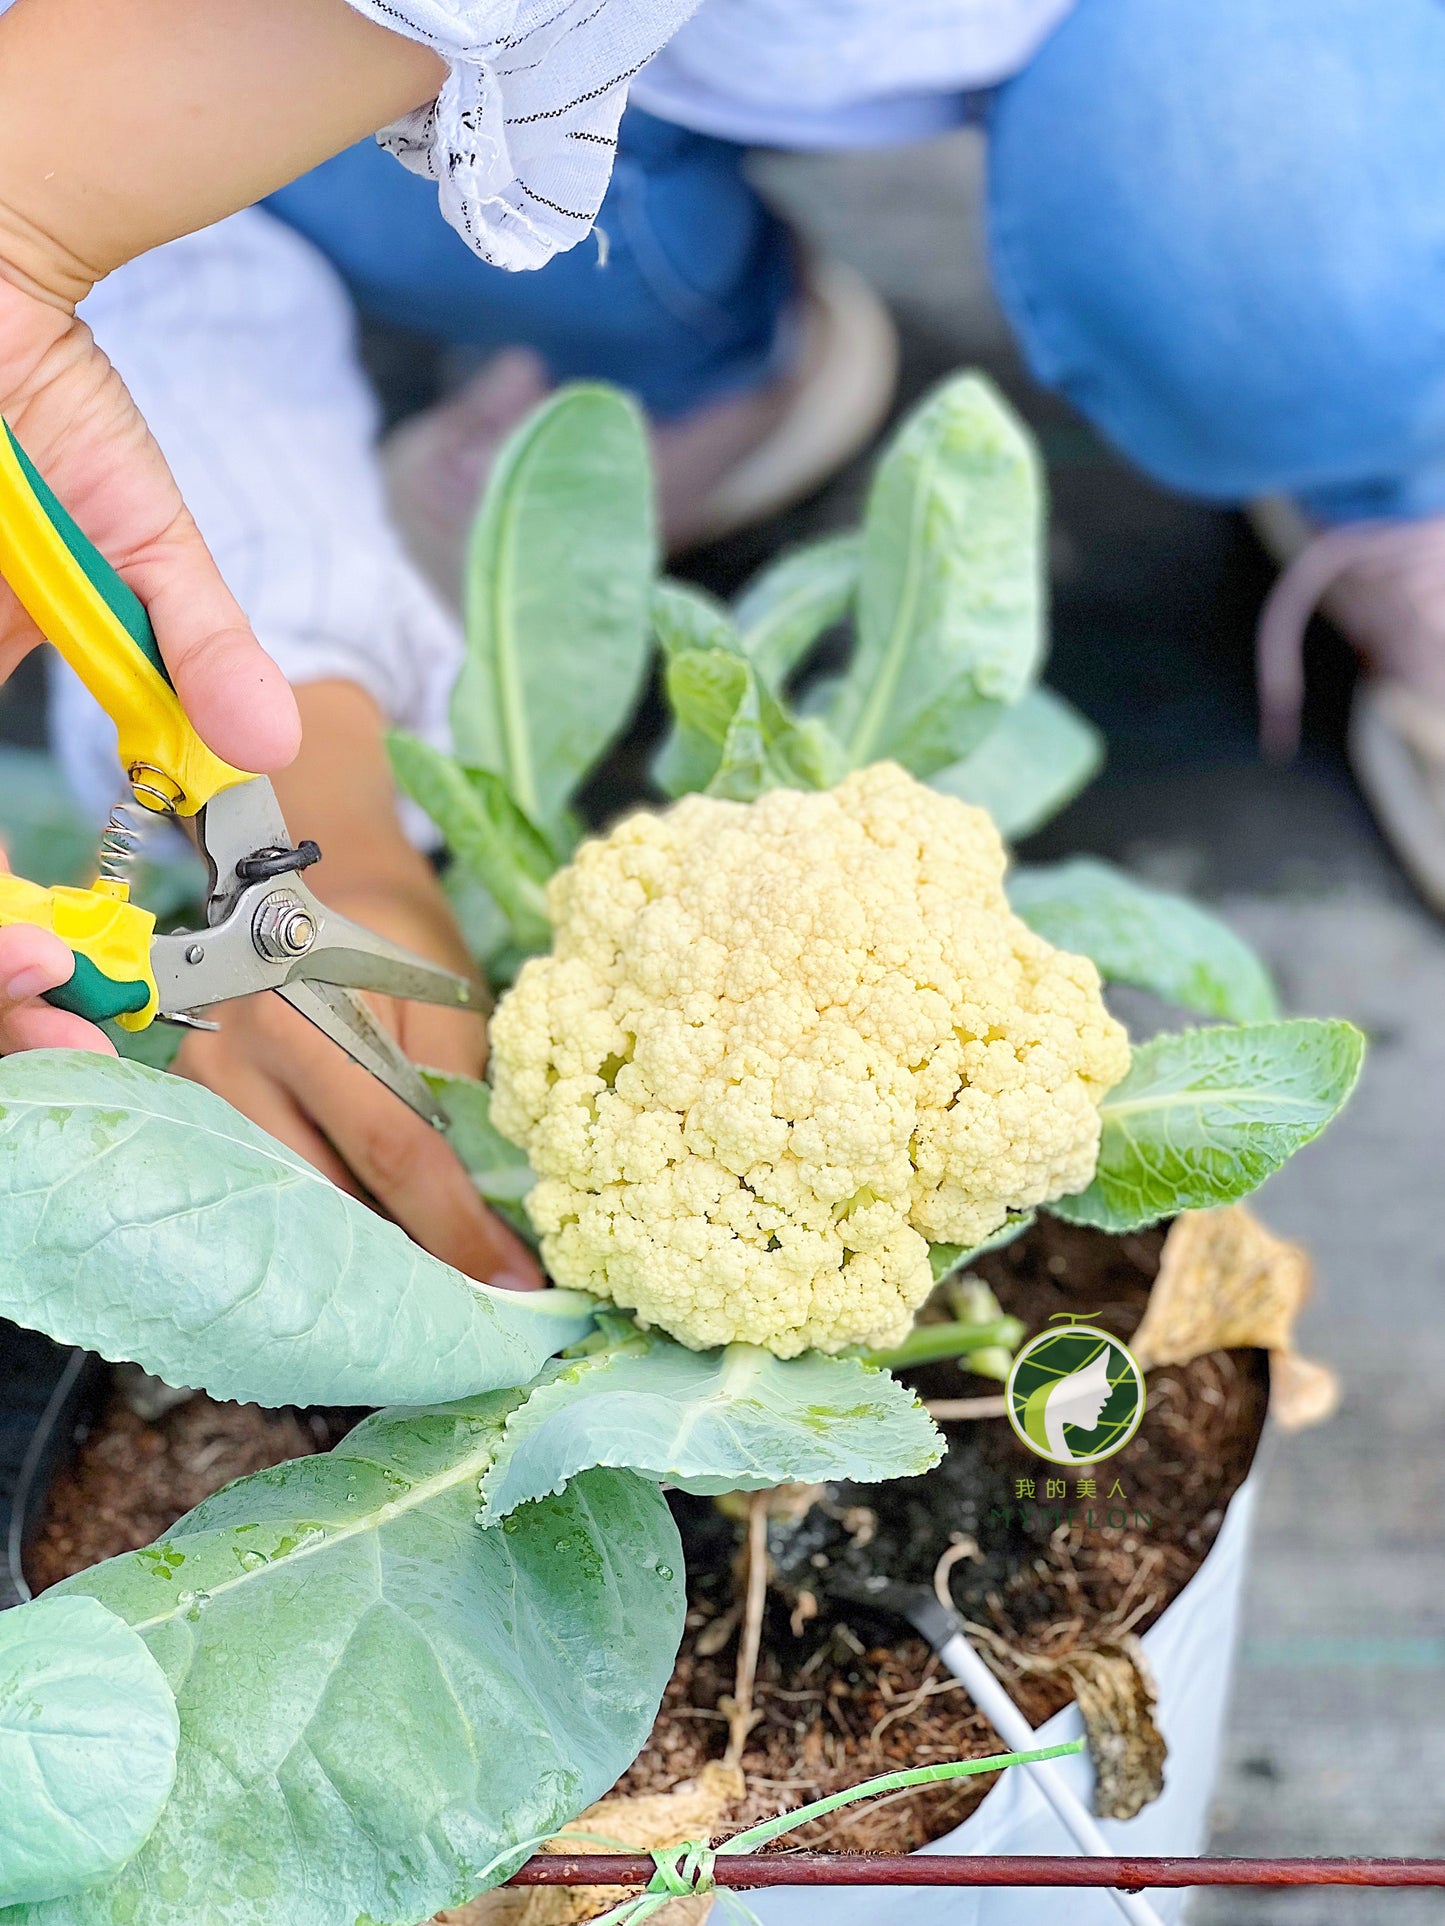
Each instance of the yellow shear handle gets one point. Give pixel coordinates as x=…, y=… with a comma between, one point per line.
x=110, y=939
x=100, y=626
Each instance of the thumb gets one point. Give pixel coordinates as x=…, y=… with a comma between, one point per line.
x=74, y=417
x=239, y=701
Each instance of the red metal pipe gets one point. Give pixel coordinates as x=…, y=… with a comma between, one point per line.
x=944, y=1869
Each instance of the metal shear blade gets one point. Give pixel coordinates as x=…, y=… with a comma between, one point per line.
x=268, y=931
x=342, y=1016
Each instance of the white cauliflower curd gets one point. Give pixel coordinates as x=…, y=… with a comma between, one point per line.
x=781, y=1047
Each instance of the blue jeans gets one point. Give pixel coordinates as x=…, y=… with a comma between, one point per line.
x=1218, y=226
x=681, y=301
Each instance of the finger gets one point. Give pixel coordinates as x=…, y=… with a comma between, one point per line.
x=36, y=1026
x=238, y=699
x=456, y=1042
x=72, y=413
x=515, y=1267
x=410, y=1169
x=33, y=961
x=417, y=1178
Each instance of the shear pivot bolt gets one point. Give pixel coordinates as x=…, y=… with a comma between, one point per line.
x=283, y=927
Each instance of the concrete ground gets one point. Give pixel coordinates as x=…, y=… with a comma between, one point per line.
x=1337, y=1735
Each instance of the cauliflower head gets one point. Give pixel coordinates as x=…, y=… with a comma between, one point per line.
x=781, y=1047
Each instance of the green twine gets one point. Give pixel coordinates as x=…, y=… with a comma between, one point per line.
x=688, y=1871
x=682, y=1873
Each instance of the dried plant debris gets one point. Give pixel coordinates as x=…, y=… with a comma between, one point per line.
x=1114, y=1689
x=1116, y=1696
x=696, y=1810
x=1225, y=1282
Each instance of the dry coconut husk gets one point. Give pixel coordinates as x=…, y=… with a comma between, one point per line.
x=1118, y=1701
x=692, y=1811
x=1227, y=1283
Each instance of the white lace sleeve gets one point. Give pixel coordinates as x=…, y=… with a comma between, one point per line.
x=521, y=139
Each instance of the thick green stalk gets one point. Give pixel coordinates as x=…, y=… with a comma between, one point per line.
x=932, y=1343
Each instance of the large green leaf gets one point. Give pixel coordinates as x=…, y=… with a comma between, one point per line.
x=497, y=1167
x=796, y=599
x=88, y=1736
x=1205, y=1116
x=951, y=597
x=485, y=831
x=735, y=1419
x=146, y=1219
x=1146, y=937
x=1037, y=757
x=377, y=1695
x=558, y=578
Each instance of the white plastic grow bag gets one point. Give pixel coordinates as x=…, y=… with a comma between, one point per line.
x=1191, y=1651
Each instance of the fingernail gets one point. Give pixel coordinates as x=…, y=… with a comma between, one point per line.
x=28, y=983
x=515, y=1281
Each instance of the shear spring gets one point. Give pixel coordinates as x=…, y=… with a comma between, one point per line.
x=154, y=790
x=123, y=838
x=120, y=843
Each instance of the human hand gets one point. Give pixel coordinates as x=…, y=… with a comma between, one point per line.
x=286, y=1076
x=294, y=1082
x=74, y=418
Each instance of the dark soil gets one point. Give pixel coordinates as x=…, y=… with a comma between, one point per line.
x=130, y=1481
x=840, y=1696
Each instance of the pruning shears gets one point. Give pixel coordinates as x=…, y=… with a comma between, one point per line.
x=265, y=929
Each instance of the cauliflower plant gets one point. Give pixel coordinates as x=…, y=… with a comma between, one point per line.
x=781, y=1047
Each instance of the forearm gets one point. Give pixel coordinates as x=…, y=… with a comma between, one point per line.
x=123, y=125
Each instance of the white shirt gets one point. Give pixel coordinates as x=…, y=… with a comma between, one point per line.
x=520, y=139
x=838, y=73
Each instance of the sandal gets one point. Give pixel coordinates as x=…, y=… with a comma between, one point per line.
x=1383, y=586
x=731, y=464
